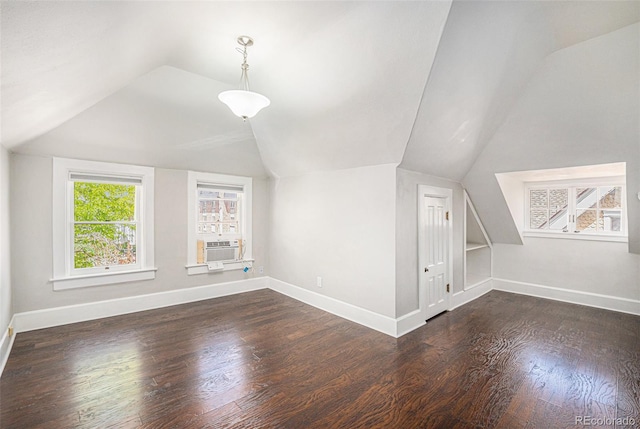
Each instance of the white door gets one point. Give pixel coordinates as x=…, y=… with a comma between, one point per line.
x=434, y=254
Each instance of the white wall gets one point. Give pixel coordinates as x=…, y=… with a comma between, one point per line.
x=32, y=253
x=6, y=310
x=407, y=236
x=604, y=268
x=339, y=225
x=582, y=107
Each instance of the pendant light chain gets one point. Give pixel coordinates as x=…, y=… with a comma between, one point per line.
x=244, y=102
x=244, y=77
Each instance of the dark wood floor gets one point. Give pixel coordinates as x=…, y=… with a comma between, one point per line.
x=261, y=359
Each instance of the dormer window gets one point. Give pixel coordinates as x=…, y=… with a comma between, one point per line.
x=585, y=202
x=589, y=207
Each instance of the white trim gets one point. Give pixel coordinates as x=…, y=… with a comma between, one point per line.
x=447, y=194
x=576, y=236
x=193, y=177
x=475, y=246
x=584, y=181
x=61, y=206
x=607, y=302
x=75, y=282
x=409, y=322
x=469, y=247
x=46, y=318
x=571, y=186
x=470, y=294
x=468, y=202
x=6, y=344
x=228, y=266
x=370, y=319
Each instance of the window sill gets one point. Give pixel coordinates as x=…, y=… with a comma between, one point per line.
x=194, y=269
x=64, y=283
x=577, y=236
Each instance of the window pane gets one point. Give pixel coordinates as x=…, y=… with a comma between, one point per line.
x=586, y=220
x=208, y=210
x=100, y=245
x=103, y=202
x=586, y=198
x=538, y=198
x=215, y=194
x=610, y=221
x=558, y=210
x=207, y=193
x=206, y=228
x=219, y=211
x=538, y=219
x=610, y=197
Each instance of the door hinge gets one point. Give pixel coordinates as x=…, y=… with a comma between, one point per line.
x=446, y=216
x=447, y=287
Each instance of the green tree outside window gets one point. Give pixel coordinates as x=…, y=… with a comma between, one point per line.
x=104, y=224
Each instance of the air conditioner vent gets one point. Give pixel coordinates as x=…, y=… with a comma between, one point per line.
x=221, y=250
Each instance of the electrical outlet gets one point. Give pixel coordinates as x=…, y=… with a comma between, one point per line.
x=11, y=331
x=319, y=281
x=261, y=270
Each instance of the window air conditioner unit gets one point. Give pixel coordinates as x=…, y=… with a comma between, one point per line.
x=224, y=250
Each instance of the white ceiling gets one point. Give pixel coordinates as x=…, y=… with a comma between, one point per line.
x=488, y=53
x=346, y=79
x=165, y=118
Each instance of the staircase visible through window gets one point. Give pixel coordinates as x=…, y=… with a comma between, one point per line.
x=583, y=208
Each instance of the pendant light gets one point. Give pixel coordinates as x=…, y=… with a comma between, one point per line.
x=242, y=102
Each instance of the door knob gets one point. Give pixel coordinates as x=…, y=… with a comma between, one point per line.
x=426, y=269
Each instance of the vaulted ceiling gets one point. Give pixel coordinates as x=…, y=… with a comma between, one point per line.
x=351, y=83
x=93, y=78
x=488, y=53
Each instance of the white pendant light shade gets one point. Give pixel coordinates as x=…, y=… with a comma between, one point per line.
x=245, y=104
x=242, y=102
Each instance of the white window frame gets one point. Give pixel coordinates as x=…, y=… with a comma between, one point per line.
x=582, y=183
x=65, y=276
x=246, y=227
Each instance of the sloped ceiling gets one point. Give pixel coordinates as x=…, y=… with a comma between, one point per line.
x=582, y=107
x=351, y=83
x=89, y=79
x=164, y=119
x=488, y=53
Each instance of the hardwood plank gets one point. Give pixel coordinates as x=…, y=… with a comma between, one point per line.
x=261, y=359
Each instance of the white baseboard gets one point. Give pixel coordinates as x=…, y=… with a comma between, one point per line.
x=384, y=324
x=46, y=318
x=6, y=343
x=606, y=302
x=475, y=292
x=39, y=319
x=409, y=322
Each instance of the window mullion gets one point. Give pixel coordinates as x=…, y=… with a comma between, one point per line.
x=140, y=233
x=70, y=225
x=571, y=208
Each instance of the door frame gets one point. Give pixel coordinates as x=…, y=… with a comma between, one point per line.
x=447, y=194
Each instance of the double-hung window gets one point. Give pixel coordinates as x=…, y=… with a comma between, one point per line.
x=588, y=208
x=219, y=227
x=220, y=211
x=103, y=223
x=105, y=213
